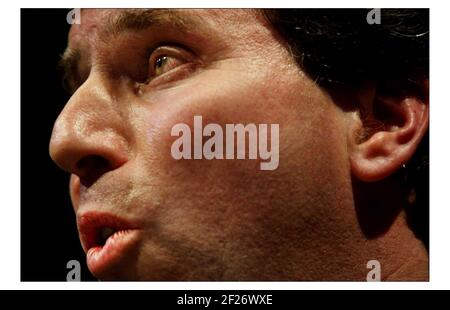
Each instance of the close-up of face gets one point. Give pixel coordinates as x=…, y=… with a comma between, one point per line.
x=328, y=206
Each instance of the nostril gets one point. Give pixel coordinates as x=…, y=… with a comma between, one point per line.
x=90, y=168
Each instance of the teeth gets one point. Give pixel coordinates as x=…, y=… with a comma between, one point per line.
x=106, y=233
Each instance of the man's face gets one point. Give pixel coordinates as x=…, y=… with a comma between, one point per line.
x=193, y=219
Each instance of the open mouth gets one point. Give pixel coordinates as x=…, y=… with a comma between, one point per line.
x=106, y=240
x=107, y=233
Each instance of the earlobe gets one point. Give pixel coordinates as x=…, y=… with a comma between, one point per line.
x=386, y=147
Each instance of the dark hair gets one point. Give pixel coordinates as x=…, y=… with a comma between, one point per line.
x=339, y=48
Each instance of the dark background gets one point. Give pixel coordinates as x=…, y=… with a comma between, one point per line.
x=49, y=237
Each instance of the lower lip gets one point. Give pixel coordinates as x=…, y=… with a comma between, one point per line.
x=100, y=259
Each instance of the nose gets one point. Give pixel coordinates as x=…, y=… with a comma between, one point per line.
x=88, y=138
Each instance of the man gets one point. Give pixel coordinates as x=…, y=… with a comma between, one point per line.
x=332, y=205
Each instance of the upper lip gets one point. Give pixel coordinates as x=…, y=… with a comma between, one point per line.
x=95, y=227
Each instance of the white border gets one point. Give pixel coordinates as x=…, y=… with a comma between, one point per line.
x=10, y=150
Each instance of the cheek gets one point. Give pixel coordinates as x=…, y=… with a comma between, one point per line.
x=219, y=100
x=206, y=189
x=226, y=102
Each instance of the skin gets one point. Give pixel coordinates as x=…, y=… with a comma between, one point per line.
x=227, y=219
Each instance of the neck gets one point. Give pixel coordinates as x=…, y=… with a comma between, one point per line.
x=369, y=225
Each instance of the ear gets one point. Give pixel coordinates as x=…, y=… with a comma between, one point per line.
x=385, y=132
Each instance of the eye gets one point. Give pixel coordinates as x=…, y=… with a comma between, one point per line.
x=165, y=59
x=164, y=64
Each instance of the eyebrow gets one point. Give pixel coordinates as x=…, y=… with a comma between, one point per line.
x=140, y=19
x=128, y=20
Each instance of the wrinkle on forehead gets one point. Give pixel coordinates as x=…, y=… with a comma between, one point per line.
x=106, y=22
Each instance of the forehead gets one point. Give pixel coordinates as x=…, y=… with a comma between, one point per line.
x=94, y=22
